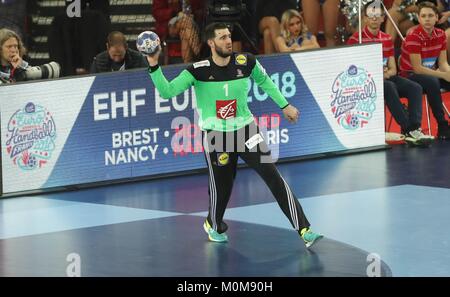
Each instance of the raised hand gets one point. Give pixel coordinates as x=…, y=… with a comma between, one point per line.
x=153, y=58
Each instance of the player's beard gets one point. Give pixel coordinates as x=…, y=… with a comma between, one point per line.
x=223, y=53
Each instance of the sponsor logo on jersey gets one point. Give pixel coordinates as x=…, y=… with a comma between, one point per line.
x=223, y=159
x=239, y=73
x=253, y=141
x=201, y=64
x=226, y=109
x=241, y=59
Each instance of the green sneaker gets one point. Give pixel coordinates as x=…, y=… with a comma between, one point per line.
x=213, y=235
x=310, y=237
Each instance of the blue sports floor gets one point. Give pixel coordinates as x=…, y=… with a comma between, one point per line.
x=392, y=203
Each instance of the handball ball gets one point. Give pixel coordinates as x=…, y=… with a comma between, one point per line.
x=147, y=42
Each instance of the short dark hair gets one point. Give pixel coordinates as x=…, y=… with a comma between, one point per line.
x=116, y=38
x=428, y=4
x=210, y=30
x=369, y=4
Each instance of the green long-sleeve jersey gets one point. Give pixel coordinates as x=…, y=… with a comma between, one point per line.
x=221, y=91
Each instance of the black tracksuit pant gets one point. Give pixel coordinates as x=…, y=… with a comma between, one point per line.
x=222, y=150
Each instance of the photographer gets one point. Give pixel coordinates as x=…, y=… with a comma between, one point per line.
x=13, y=68
x=11, y=52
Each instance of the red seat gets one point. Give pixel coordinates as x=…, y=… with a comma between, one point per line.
x=428, y=121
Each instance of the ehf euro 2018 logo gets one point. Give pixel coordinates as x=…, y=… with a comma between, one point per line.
x=30, y=139
x=353, y=98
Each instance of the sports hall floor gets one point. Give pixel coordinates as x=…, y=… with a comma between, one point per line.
x=394, y=203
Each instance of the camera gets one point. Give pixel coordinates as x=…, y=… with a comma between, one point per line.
x=49, y=70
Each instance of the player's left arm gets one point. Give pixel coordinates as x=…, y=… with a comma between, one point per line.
x=264, y=81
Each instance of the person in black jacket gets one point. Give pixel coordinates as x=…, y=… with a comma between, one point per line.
x=117, y=56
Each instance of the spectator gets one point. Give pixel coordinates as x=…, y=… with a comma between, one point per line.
x=424, y=60
x=401, y=13
x=330, y=12
x=184, y=28
x=268, y=15
x=294, y=33
x=12, y=66
x=394, y=86
x=11, y=52
x=174, y=24
x=404, y=14
x=117, y=56
x=349, y=9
